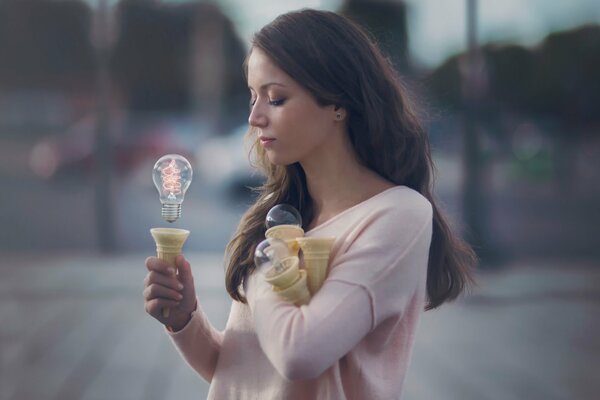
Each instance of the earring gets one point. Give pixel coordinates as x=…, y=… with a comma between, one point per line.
x=338, y=116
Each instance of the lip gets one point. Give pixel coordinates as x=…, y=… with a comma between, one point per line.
x=266, y=141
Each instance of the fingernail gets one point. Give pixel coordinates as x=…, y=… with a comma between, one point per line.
x=171, y=271
x=179, y=296
x=179, y=286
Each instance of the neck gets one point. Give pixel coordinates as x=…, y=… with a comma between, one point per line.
x=336, y=180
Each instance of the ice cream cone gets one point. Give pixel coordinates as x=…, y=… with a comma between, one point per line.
x=316, y=259
x=169, y=242
x=287, y=233
x=298, y=292
x=284, y=273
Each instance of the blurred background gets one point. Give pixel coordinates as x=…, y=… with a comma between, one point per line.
x=93, y=92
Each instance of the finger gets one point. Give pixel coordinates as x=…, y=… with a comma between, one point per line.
x=185, y=272
x=158, y=265
x=155, y=291
x=169, y=281
x=186, y=278
x=154, y=307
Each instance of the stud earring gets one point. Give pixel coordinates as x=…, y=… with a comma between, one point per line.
x=338, y=116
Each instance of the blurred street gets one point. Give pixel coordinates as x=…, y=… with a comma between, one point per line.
x=74, y=328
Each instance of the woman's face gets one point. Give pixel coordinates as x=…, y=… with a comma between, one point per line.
x=291, y=125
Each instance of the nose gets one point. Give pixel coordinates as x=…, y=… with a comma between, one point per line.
x=257, y=118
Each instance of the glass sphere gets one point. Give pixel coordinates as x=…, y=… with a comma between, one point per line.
x=269, y=253
x=283, y=214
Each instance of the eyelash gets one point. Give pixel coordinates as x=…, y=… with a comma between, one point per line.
x=274, y=103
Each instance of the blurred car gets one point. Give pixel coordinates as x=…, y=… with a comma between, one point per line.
x=72, y=154
x=223, y=163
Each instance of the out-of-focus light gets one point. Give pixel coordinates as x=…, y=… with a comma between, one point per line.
x=43, y=160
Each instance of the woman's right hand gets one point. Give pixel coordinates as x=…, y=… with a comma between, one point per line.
x=164, y=289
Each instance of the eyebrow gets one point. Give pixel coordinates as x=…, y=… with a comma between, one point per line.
x=266, y=85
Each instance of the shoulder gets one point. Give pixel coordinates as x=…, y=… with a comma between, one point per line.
x=398, y=208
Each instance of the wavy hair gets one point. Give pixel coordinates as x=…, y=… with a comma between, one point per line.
x=339, y=63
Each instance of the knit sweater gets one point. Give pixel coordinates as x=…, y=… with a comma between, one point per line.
x=353, y=340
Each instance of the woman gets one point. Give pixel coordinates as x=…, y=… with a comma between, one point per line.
x=337, y=138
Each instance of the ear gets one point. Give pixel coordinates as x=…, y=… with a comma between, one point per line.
x=339, y=113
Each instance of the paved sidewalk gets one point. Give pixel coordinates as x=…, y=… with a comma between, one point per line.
x=74, y=328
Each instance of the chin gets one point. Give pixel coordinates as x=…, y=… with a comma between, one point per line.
x=279, y=160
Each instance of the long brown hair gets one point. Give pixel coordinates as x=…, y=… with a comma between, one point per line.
x=338, y=63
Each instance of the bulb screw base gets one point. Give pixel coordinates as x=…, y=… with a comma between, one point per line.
x=171, y=212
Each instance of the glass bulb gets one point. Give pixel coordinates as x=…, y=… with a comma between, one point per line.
x=269, y=253
x=283, y=214
x=172, y=175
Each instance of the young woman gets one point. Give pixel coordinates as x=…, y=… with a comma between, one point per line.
x=338, y=139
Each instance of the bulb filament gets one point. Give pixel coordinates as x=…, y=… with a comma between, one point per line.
x=171, y=177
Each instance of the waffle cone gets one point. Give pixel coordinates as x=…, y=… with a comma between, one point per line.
x=284, y=232
x=287, y=276
x=287, y=233
x=298, y=292
x=316, y=259
x=169, y=242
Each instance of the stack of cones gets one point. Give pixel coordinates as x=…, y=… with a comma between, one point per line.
x=288, y=281
x=316, y=259
x=169, y=242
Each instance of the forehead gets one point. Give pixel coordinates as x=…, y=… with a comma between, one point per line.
x=262, y=70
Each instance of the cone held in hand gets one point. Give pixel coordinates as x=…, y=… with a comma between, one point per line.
x=169, y=242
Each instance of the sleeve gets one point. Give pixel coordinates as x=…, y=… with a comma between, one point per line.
x=199, y=343
x=375, y=278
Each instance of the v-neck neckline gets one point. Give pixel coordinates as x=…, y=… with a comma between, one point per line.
x=349, y=209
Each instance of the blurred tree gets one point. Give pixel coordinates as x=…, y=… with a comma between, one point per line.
x=559, y=80
x=155, y=61
x=567, y=79
x=45, y=44
x=386, y=20
x=151, y=56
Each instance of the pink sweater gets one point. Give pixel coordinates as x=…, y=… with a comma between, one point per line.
x=353, y=340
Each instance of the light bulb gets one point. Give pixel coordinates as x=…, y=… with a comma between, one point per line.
x=283, y=214
x=172, y=175
x=268, y=255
